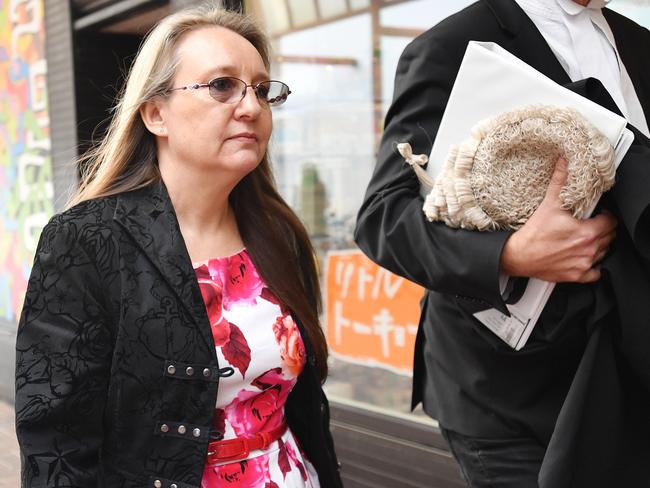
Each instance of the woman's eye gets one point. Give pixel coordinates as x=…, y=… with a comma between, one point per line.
x=222, y=85
x=262, y=91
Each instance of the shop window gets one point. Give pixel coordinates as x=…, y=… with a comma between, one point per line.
x=339, y=58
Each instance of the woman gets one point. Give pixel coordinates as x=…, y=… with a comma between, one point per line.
x=170, y=333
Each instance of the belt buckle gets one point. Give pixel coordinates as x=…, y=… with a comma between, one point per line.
x=228, y=450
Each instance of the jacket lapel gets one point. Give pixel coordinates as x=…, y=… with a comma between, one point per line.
x=526, y=42
x=148, y=217
x=632, y=54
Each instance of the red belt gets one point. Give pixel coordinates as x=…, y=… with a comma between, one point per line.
x=240, y=447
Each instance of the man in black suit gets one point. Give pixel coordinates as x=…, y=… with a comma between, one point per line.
x=496, y=407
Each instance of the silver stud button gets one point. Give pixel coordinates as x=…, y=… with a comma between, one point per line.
x=173, y=485
x=206, y=372
x=182, y=429
x=189, y=371
x=157, y=483
x=171, y=369
x=164, y=428
x=196, y=432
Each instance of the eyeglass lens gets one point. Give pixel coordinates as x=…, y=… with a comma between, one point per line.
x=231, y=90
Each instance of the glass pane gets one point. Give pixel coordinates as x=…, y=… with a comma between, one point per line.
x=275, y=15
x=302, y=11
x=419, y=13
x=327, y=116
x=359, y=4
x=391, y=49
x=323, y=152
x=331, y=8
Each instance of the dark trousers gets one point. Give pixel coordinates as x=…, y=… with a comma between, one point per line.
x=496, y=463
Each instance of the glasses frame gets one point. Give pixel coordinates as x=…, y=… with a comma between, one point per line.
x=254, y=86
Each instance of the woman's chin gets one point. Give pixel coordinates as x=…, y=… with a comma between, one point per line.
x=244, y=163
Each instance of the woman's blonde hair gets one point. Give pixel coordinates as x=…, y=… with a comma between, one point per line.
x=126, y=158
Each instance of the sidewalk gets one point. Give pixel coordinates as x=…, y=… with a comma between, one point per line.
x=9, y=457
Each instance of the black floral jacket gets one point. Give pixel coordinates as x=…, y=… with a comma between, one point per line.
x=111, y=303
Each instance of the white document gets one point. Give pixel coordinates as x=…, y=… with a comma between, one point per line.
x=491, y=81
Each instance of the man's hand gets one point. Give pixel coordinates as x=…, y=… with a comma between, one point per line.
x=555, y=246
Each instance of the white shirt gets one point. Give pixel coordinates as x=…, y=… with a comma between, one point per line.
x=584, y=45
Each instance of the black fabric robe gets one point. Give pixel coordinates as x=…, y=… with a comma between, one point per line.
x=602, y=435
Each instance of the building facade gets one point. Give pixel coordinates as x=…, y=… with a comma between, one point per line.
x=61, y=66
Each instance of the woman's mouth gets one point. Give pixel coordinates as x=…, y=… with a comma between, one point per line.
x=244, y=137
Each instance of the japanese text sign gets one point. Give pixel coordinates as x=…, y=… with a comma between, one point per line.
x=372, y=314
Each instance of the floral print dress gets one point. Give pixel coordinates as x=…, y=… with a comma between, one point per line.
x=256, y=336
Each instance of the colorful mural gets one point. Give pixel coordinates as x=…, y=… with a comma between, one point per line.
x=26, y=189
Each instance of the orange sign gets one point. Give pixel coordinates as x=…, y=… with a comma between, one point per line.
x=372, y=314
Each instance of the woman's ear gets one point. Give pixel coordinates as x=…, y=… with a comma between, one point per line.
x=152, y=116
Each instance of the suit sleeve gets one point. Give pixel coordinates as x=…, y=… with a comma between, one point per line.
x=391, y=227
x=63, y=355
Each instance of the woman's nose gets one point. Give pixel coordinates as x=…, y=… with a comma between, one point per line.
x=249, y=103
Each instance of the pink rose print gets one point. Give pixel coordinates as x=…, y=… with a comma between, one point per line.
x=283, y=459
x=243, y=474
x=294, y=458
x=269, y=482
x=292, y=349
x=269, y=296
x=259, y=405
x=257, y=413
x=212, y=293
x=252, y=412
x=241, y=282
x=221, y=333
x=236, y=350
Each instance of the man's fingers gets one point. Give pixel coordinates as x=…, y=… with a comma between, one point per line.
x=608, y=216
x=604, y=244
x=557, y=182
x=590, y=276
x=604, y=223
x=606, y=239
x=600, y=255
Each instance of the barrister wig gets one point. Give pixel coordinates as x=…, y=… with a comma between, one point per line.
x=499, y=175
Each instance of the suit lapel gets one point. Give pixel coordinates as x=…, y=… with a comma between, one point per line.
x=528, y=44
x=525, y=41
x=148, y=217
x=630, y=51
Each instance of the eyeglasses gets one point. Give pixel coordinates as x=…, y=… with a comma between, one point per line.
x=229, y=89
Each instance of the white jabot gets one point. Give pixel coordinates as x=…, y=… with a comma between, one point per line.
x=584, y=45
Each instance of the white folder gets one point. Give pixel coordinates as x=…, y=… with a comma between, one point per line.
x=491, y=81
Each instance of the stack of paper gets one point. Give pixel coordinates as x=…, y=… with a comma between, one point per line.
x=507, y=83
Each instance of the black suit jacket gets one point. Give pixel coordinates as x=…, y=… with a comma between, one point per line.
x=467, y=378
x=111, y=302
